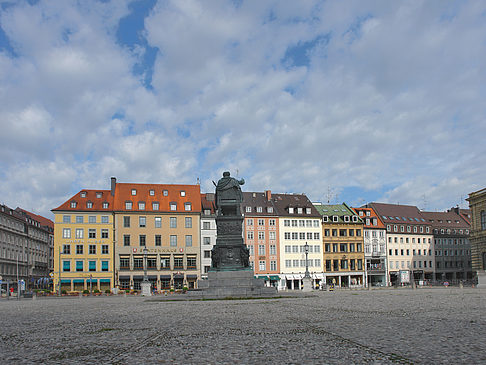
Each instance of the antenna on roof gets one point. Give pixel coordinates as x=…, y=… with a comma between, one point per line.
x=198, y=182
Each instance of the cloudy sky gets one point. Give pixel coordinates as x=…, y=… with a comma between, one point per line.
x=355, y=101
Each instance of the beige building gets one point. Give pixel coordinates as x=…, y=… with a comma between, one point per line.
x=162, y=224
x=477, y=204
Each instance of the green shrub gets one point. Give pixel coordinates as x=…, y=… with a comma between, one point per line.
x=86, y=291
x=185, y=288
x=107, y=291
x=63, y=291
x=127, y=291
x=171, y=290
x=96, y=291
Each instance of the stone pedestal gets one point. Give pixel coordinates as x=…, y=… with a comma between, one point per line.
x=146, y=286
x=233, y=284
x=307, y=284
x=481, y=279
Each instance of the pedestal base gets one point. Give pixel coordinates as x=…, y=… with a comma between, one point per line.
x=481, y=279
x=146, y=286
x=307, y=284
x=233, y=284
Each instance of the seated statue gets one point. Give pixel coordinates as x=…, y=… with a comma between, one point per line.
x=228, y=195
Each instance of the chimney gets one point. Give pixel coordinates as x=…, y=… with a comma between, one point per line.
x=268, y=195
x=113, y=185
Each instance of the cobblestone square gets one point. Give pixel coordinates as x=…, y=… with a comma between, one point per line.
x=383, y=326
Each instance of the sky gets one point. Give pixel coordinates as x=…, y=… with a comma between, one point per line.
x=345, y=101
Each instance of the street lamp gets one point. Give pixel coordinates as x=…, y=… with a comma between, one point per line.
x=307, y=274
x=145, y=286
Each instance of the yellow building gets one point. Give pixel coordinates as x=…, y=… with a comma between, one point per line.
x=83, y=242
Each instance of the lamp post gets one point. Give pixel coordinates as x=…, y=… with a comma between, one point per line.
x=146, y=290
x=306, y=281
x=59, y=273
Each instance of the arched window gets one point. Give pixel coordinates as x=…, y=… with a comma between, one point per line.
x=483, y=220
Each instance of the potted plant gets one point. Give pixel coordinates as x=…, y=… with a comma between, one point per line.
x=85, y=292
x=107, y=291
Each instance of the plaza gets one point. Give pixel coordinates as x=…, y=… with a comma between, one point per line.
x=381, y=326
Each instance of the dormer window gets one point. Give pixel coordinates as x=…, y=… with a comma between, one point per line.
x=99, y=195
x=155, y=206
x=307, y=210
x=325, y=218
x=269, y=209
x=105, y=205
x=165, y=193
x=259, y=209
x=151, y=192
x=346, y=218
x=248, y=209
x=207, y=212
x=335, y=218
x=134, y=191
x=291, y=210
x=183, y=193
x=73, y=204
x=83, y=194
x=299, y=210
x=128, y=205
x=89, y=204
x=187, y=206
x=141, y=205
x=360, y=213
x=173, y=206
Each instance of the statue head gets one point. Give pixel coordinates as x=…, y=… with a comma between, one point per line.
x=226, y=174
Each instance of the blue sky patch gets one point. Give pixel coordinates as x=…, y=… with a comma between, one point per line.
x=300, y=54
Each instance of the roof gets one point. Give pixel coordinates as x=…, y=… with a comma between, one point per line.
x=398, y=214
x=448, y=219
x=207, y=202
x=164, y=194
x=254, y=200
x=339, y=210
x=372, y=214
x=83, y=197
x=45, y=222
x=283, y=203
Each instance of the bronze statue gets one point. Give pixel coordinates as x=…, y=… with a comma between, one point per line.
x=228, y=195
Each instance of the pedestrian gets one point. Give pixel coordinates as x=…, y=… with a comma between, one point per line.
x=11, y=291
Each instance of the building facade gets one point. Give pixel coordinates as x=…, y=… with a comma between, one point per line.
x=410, y=243
x=83, y=242
x=374, y=234
x=261, y=234
x=477, y=204
x=452, y=247
x=208, y=231
x=161, y=222
x=343, y=255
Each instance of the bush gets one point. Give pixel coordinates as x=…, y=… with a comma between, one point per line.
x=86, y=291
x=63, y=291
x=127, y=291
x=96, y=291
x=171, y=290
x=185, y=288
x=107, y=291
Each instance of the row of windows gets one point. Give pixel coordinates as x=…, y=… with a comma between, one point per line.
x=142, y=240
x=156, y=206
x=343, y=247
x=92, y=266
x=142, y=222
x=301, y=223
x=262, y=265
x=483, y=220
x=261, y=222
x=414, y=252
x=451, y=264
x=301, y=263
x=374, y=233
x=89, y=204
x=342, y=232
x=80, y=219
x=407, y=240
x=449, y=231
x=450, y=241
x=416, y=264
x=302, y=235
x=259, y=209
x=66, y=249
x=335, y=218
x=375, y=248
x=262, y=251
x=164, y=192
x=452, y=252
x=336, y=265
x=301, y=248
x=409, y=228
x=261, y=235
x=164, y=263
x=79, y=233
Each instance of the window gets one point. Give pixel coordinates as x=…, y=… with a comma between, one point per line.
x=66, y=266
x=165, y=192
x=158, y=222
x=134, y=191
x=79, y=219
x=89, y=205
x=66, y=233
x=187, y=206
x=79, y=233
x=124, y=263
x=261, y=222
x=248, y=209
x=142, y=221
x=173, y=206
x=126, y=240
x=291, y=210
x=73, y=204
x=271, y=235
x=66, y=249
x=342, y=232
x=206, y=225
x=141, y=239
x=92, y=265
x=128, y=205
x=295, y=249
x=173, y=240
x=249, y=222
x=191, y=262
x=79, y=265
x=66, y=219
x=343, y=247
x=261, y=235
x=207, y=254
x=344, y=264
x=151, y=192
x=105, y=205
x=188, y=222
x=155, y=206
x=105, y=219
x=173, y=222
x=138, y=263
x=261, y=249
x=92, y=249
x=158, y=240
x=126, y=221
x=104, y=265
x=259, y=209
x=104, y=249
x=178, y=262
x=165, y=263
x=141, y=205
x=92, y=219
x=286, y=222
x=261, y=265
x=207, y=240
x=273, y=265
x=273, y=250
x=360, y=264
x=483, y=220
x=188, y=240
x=91, y=233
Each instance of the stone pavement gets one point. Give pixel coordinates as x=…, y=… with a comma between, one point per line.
x=383, y=326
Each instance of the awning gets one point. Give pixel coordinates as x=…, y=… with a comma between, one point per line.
x=274, y=277
x=193, y=277
x=78, y=281
x=178, y=276
x=92, y=280
x=264, y=277
x=65, y=281
x=164, y=277
x=289, y=277
x=105, y=280
x=124, y=277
